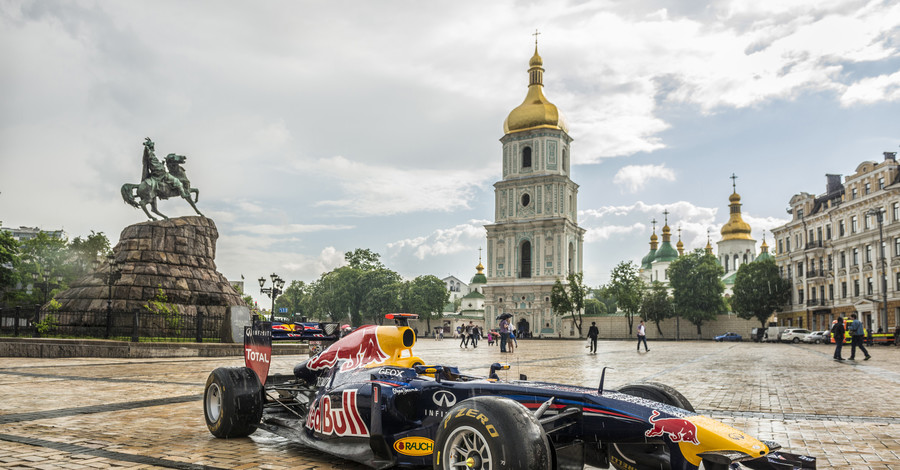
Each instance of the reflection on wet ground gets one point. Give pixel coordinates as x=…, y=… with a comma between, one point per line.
x=99, y=413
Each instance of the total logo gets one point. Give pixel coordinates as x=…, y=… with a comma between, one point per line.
x=443, y=398
x=255, y=356
x=414, y=446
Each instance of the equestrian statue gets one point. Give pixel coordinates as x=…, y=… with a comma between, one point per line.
x=157, y=182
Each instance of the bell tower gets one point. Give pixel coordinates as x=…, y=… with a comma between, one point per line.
x=535, y=237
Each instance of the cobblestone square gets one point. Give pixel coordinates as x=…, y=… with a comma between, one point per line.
x=146, y=413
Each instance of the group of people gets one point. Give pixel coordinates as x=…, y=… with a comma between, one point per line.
x=472, y=333
x=857, y=333
x=468, y=333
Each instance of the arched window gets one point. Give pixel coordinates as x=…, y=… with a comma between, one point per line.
x=565, y=161
x=526, y=157
x=525, y=257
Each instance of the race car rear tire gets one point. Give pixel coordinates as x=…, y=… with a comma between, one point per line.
x=491, y=433
x=630, y=456
x=658, y=392
x=232, y=402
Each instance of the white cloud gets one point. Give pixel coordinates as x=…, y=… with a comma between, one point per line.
x=634, y=177
x=457, y=239
x=384, y=190
x=605, y=232
x=288, y=229
x=873, y=90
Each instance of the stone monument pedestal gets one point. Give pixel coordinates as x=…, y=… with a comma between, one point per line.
x=176, y=256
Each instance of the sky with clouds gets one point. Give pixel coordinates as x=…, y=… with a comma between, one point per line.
x=314, y=128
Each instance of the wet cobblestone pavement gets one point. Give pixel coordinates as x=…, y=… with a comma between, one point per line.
x=146, y=413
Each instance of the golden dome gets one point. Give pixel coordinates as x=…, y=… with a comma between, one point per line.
x=480, y=268
x=735, y=228
x=536, y=111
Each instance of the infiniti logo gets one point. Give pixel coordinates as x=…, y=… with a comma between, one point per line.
x=443, y=398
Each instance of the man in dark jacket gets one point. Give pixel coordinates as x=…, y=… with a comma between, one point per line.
x=593, y=333
x=837, y=332
x=857, y=332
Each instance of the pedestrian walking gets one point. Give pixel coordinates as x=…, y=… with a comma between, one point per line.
x=510, y=341
x=857, y=333
x=476, y=332
x=464, y=333
x=837, y=332
x=642, y=336
x=593, y=333
x=504, y=334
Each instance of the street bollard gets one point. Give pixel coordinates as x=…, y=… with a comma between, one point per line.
x=136, y=327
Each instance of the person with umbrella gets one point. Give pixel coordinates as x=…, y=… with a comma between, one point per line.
x=504, y=330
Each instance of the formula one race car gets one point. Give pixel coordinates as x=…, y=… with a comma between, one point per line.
x=367, y=398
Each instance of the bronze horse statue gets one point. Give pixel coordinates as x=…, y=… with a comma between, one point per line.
x=159, y=183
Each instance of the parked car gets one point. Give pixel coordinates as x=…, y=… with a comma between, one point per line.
x=794, y=335
x=773, y=334
x=729, y=337
x=818, y=337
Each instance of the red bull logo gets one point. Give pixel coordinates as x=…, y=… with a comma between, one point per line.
x=324, y=418
x=678, y=429
x=357, y=350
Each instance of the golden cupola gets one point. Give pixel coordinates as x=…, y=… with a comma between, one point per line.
x=735, y=228
x=536, y=111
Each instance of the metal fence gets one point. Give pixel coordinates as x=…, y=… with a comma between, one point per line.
x=137, y=325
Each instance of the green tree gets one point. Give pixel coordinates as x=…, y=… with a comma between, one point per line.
x=594, y=307
x=363, y=259
x=627, y=287
x=84, y=252
x=426, y=296
x=759, y=291
x=569, y=298
x=293, y=299
x=9, y=264
x=697, y=287
x=656, y=305
x=44, y=255
x=383, y=288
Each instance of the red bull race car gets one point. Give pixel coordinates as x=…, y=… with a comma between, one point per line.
x=368, y=399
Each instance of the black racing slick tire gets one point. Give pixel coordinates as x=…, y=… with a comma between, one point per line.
x=491, y=433
x=658, y=392
x=631, y=456
x=232, y=402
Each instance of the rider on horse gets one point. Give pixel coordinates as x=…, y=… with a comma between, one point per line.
x=155, y=173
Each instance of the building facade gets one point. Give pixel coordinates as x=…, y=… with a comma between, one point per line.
x=838, y=257
x=535, y=238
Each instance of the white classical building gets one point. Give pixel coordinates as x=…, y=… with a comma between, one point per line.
x=535, y=238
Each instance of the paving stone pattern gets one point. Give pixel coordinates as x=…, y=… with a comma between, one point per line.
x=147, y=413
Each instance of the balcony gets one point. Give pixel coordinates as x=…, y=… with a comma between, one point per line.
x=815, y=273
x=815, y=245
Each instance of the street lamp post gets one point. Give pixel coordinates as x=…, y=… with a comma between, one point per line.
x=273, y=292
x=112, y=274
x=45, y=277
x=879, y=216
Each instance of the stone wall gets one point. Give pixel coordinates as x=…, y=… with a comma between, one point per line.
x=617, y=328
x=174, y=255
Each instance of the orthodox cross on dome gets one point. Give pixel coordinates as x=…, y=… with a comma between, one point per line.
x=479, y=255
x=733, y=182
x=536, y=34
x=707, y=234
x=679, y=233
x=654, y=224
x=666, y=215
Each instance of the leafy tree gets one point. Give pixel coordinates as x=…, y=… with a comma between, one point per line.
x=656, y=305
x=594, y=307
x=363, y=259
x=426, y=296
x=627, y=287
x=9, y=263
x=605, y=297
x=759, y=291
x=293, y=298
x=569, y=298
x=44, y=255
x=697, y=287
x=383, y=288
x=84, y=252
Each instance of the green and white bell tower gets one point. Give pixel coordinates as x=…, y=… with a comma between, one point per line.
x=535, y=237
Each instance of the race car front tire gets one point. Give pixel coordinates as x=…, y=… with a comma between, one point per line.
x=491, y=432
x=232, y=402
